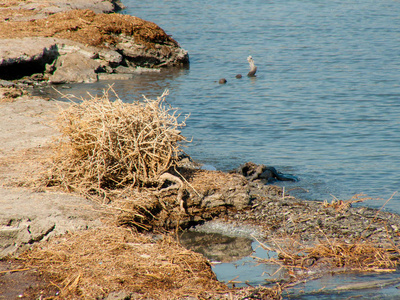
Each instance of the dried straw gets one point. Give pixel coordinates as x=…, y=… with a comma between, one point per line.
x=91, y=264
x=107, y=145
x=332, y=256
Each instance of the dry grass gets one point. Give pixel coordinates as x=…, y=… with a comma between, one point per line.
x=107, y=146
x=343, y=205
x=309, y=261
x=89, y=28
x=340, y=255
x=93, y=263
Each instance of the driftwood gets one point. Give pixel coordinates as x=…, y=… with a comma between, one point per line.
x=177, y=185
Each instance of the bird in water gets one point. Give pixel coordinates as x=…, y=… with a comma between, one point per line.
x=253, y=68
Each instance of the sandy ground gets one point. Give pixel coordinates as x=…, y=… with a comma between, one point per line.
x=25, y=135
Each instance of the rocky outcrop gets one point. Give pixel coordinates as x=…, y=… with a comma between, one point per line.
x=82, y=46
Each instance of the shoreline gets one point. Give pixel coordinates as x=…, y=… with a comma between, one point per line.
x=44, y=216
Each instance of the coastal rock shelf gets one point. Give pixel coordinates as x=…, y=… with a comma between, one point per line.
x=82, y=46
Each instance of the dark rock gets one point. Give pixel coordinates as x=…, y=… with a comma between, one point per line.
x=253, y=171
x=222, y=81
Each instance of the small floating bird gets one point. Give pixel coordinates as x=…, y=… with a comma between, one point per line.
x=253, y=68
x=222, y=81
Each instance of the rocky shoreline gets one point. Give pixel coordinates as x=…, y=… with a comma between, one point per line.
x=33, y=216
x=80, y=42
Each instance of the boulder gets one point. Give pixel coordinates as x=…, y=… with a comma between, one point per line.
x=75, y=67
x=39, y=9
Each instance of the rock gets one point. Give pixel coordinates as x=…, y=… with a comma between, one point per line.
x=27, y=217
x=106, y=76
x=75, y=67
x=121, y=295
x=5, y=83
x=113, y=58
x=148, y=57
x=26, y=56
x=129, y=45
x=35, y=9
x=222, y=81
x=266, y=174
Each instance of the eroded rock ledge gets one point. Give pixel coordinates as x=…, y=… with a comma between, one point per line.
x=83, y=46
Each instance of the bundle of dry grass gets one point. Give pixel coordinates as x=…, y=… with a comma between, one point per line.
x=109, y=145
x=333, y=256
x=91, y=264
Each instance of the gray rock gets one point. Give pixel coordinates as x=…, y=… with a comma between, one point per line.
x=111, y=56
x=160, y=56
x=106, y=76
x=55, y=6
x=75, y=67
x=5, y=83
x=28, y=217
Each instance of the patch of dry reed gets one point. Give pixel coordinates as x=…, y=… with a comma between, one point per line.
x=303, y=261
x=110, y=145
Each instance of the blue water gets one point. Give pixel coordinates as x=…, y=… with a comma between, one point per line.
x=325, y=105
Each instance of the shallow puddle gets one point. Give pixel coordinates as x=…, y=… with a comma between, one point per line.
x=233, y=252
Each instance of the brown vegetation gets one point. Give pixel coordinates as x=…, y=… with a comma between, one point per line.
x=9, y=94
x=94, y=263
x=89, y=28
x=110, y=145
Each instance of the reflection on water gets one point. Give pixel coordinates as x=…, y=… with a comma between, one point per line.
x=232, y=251
x=383, y=286
x=150, y=84
x=217, y=247
x=234, y=260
